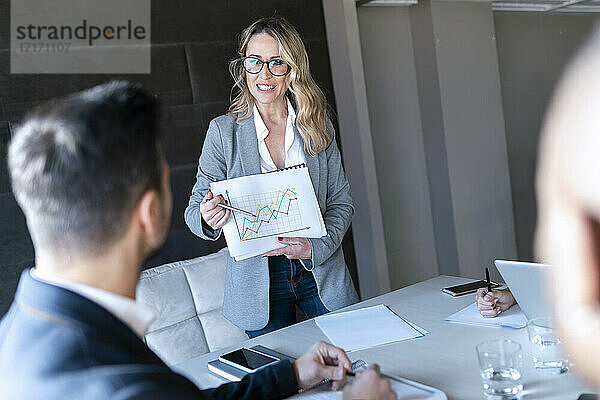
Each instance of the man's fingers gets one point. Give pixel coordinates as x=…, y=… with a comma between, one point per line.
x=337, y=385
x=374, y=367
x=335, y=373
x=208, y=196
x=385, y=386
x=339, y=355
x=339, y=378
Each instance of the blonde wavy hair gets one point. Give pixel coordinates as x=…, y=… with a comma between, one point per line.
x=305, y=96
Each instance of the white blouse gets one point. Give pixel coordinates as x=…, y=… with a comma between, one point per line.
x=294, y=146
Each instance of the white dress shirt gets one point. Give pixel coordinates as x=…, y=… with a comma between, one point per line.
x=293, y=145
x=135, y=315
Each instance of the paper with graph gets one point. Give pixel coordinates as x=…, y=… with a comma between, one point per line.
x=279, y=203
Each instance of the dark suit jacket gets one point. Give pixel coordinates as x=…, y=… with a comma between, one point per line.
x=55, y=344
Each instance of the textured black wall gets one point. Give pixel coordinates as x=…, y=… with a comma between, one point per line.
x=192, y=44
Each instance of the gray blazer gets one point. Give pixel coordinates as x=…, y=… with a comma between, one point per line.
x=230, y=150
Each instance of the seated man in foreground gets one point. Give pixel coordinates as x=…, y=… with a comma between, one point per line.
x=90, y=175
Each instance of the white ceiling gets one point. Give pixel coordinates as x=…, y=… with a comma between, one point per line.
x=562, y=6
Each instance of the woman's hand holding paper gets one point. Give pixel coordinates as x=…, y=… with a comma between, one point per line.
x=297, y=248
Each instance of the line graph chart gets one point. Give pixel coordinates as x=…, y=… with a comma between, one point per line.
x=276, y=212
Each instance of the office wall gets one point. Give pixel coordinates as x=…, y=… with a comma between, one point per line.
x=192, y=43
x=473, y=121
x=433, y=88
x=532, y=51
x=390, y=79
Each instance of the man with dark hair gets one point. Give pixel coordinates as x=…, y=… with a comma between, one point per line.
x=89, y=173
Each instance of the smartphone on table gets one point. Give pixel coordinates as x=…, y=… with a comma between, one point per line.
x=248, y=360
x=467, y=288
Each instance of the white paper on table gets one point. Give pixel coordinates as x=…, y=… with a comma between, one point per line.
x=366, y=327
x=260, y=195
x=418, y=328
x=511, y=318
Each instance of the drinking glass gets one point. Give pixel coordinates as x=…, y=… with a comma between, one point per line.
x=500, y=363
x=545, y=347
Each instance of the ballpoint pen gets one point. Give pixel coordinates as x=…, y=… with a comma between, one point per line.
x=235, y=209
x=228, y=207
x=487, y=278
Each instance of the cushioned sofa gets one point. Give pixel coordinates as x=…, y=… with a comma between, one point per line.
x=187, y=297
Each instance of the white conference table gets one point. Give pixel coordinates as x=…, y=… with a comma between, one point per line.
x=444, y=359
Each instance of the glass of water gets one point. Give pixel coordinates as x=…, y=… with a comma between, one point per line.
x=545, y=347
x=500, y=363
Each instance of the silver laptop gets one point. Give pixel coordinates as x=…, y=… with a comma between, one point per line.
x=526, y=282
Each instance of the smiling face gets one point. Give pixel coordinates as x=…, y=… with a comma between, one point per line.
x=266, y=88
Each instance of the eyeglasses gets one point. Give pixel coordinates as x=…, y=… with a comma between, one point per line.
x=254, y=65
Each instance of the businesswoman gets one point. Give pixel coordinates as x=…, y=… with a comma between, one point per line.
x=277, y=118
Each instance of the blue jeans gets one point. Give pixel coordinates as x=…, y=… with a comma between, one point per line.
x=290, y=284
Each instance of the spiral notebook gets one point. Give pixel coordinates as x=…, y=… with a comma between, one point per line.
x=277, y=203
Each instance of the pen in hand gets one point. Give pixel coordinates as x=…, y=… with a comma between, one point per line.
x=235, y=209
x=487, y=278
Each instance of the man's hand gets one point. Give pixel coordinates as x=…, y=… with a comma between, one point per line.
x=297, y=248
x=322, y=361
x=490, y=304
x=369, y=385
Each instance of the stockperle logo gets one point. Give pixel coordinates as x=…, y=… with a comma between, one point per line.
x=80, y=36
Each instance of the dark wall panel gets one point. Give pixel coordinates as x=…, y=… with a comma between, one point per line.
x=4, y=139
x=319, y=67
x=182, y=181
x=15, y=242
x=4, y=25
x=8, y=283
x=169, y=81
x=182, y=244
x=183, y=131
x=209, y=70
x=192, y=45
x=179, y=21
x=213, y=109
